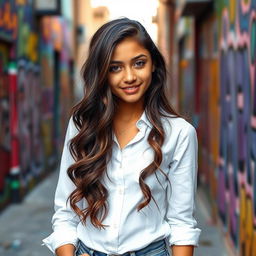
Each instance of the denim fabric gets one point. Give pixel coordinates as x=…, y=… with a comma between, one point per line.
x=158, y=248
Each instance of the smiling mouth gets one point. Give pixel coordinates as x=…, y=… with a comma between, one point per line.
x=131, y=89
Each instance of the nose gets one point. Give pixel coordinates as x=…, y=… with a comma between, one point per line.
x=130, y=76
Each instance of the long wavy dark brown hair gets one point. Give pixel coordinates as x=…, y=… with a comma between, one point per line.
x=93, y=116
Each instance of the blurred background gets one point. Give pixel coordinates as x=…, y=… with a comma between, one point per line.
x=210, y=50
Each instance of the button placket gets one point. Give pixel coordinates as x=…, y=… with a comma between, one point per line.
x=119, y=197
x=120, y=191
x=122, y=183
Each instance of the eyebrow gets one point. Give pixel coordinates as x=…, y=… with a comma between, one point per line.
x=134, y=58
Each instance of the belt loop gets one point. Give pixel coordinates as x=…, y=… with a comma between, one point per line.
x=91, y=252
x=166, y=240
x=132, y=254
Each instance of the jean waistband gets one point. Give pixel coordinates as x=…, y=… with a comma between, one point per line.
x=152, y=249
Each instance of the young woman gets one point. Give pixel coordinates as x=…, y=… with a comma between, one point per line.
x=129, y=165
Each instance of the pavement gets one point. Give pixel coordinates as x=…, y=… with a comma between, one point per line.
x=212, y=240
x=24, y=225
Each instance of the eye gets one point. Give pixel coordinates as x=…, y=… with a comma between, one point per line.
x=140, y=63
x=114, y=68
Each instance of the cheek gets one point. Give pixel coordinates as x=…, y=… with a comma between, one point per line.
x=146, y=73
x=147, y=76
x=113, y=83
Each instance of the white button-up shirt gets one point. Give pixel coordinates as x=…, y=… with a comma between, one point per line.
x=128, y=229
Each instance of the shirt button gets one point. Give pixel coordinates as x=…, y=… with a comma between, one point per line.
x=139, y=124
x=120, y=191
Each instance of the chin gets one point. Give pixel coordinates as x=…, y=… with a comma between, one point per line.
x=131, y=99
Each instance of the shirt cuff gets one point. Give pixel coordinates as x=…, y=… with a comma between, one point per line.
x=59, y=238
x=184, y=236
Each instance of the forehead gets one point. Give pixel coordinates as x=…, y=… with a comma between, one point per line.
x=129, y=48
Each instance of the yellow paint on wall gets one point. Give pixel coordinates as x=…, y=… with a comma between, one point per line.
x=214, y=109
x=249, y=227
x=21, y=2
x=242, y=217
x=254, y=243
x=247, y=231
x=32, y=47
x=47, y=137
x=232, y=11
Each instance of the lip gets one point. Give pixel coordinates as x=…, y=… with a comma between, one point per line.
x=132, y=86
x=131, y=89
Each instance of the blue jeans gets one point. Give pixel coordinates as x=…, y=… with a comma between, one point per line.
x=158, y=248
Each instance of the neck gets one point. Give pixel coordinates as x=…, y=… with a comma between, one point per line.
x=128, y=112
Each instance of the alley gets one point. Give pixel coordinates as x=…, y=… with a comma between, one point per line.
x=23, y=226
x=208, y=48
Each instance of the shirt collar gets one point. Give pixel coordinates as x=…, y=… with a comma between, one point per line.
x=143, y=121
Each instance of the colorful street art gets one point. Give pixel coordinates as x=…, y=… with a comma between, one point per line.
x=237, y=162
x=29, y=102
x=57, y=82
x=8, y=20
x=35, y=95
x=227, y=127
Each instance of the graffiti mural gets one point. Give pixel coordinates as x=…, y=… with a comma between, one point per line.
x=29, y=104
x=237, y=197
x=227, y=128
x=8, y=20
x=226, y=105
x=56, y=81
x=36, y=72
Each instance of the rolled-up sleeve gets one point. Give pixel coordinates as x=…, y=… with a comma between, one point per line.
x=64, y=221
x=182, y=189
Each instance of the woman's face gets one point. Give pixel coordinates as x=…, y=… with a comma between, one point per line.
x=130, y=71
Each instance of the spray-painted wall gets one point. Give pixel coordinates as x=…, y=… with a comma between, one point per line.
x=237, y=161
x=57, y=75
x=29, y=140
x=35, y=95
x=226, y=105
